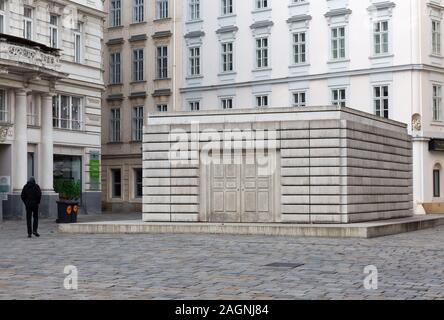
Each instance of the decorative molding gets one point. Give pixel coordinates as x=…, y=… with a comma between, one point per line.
x=227, y=29
x=194, y=34
x=162, y=34
x=262, y=24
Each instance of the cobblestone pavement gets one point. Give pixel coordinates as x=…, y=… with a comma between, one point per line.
x=410, y=266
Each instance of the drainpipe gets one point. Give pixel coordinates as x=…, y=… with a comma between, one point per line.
x=174, y=55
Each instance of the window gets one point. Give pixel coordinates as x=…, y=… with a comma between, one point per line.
x=262, y=53
x=194, y=61
x=436, y=183
x=227, y=7
x=67, y=112
x=137, y=123
x=116, y=183
x=338, y=43
x=227, y=57
x=137, y=11
x=162, y=62
x=32, y=112
x=138, y=74
x=437, y=103
x=2, y=16
x=114, y=68
x=3, y=106
x=381, y=101
x=114, y=133
x=115, y=13
x=261, y=4
x=194, y=10
x=262, y=101
x=381, y=37
x=338, y=97
x=162, y=108
x=299, y=99
x=436, y=37
x=162, y=9
x=28, y=23
x=227, y=103
x=138, y=185
x=78, y=43
x=54, y=31
x=299, y=48
x=194, y=105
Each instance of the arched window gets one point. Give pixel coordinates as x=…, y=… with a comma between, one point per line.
x=437, y=181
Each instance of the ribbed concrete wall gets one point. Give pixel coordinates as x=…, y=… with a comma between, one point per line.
x=333, y=166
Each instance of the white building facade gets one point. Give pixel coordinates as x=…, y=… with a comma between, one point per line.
x=382, y=57
x=51, y=84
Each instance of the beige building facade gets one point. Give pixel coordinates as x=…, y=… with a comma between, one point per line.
x=51, y=83
x=142, y=72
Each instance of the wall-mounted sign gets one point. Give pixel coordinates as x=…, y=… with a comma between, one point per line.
x=94, y=170
x=436, y=145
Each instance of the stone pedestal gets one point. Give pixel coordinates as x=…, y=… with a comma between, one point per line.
x=13, y=208
x=48, y=205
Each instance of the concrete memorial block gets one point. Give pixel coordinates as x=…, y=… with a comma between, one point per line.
x=282, y=165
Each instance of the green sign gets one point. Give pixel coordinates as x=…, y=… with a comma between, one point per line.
x=94, y=170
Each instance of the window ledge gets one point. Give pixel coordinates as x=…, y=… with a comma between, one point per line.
x=115, y=27
x=437, y=123
x=338, y=61
x=381, y=56
x=138, y=82
x=194, y=21
x=137, y=23
x=114, y=84
x=261, y=10
x=299, y=65
x=261, y=69
x=114, y=142
x=162, y=79
x=194, y=77
x=228, y=73
x=227, y=16
x=162, y=19
x=436, y=56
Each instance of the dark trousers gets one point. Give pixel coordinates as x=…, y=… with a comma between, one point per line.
x=32, y=211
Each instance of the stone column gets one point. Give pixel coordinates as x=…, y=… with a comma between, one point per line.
x=20, y=165
x=47, y=145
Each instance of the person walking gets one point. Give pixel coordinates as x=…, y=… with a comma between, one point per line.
x=31, y=196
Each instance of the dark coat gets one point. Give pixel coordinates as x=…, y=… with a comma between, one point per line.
x=31, y=194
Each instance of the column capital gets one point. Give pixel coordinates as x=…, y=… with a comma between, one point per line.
x=48, y=95
x=22, y=91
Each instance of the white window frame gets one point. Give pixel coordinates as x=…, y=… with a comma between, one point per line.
x=4, y=110
x=194, y=10
x=194, y=61
x=194, y=105
x=138, y=56
x=162, y=10
x=227, y=7
x=78, y=42
x=437, y=102
x=3, y=11
x=381, y=112
x=137, y=123
x=296, y=98
x=380, y=47
x=115, y=13
x=262, y=4
x=28, y=23
x=54, y=31
x=115, y=125
x=436, y=37
x=162, y=62
x=262, y=101
x=138, y=11
x=337, y=40
x=226, y=103
x=299, y=47
x=262, y=52
x=227, y=56
x=338, y=100
x=162, y=108
x=67, y=123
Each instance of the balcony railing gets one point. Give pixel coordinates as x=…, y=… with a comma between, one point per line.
x=28, y=52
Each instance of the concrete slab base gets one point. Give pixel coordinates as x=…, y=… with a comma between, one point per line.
x=355, y=230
